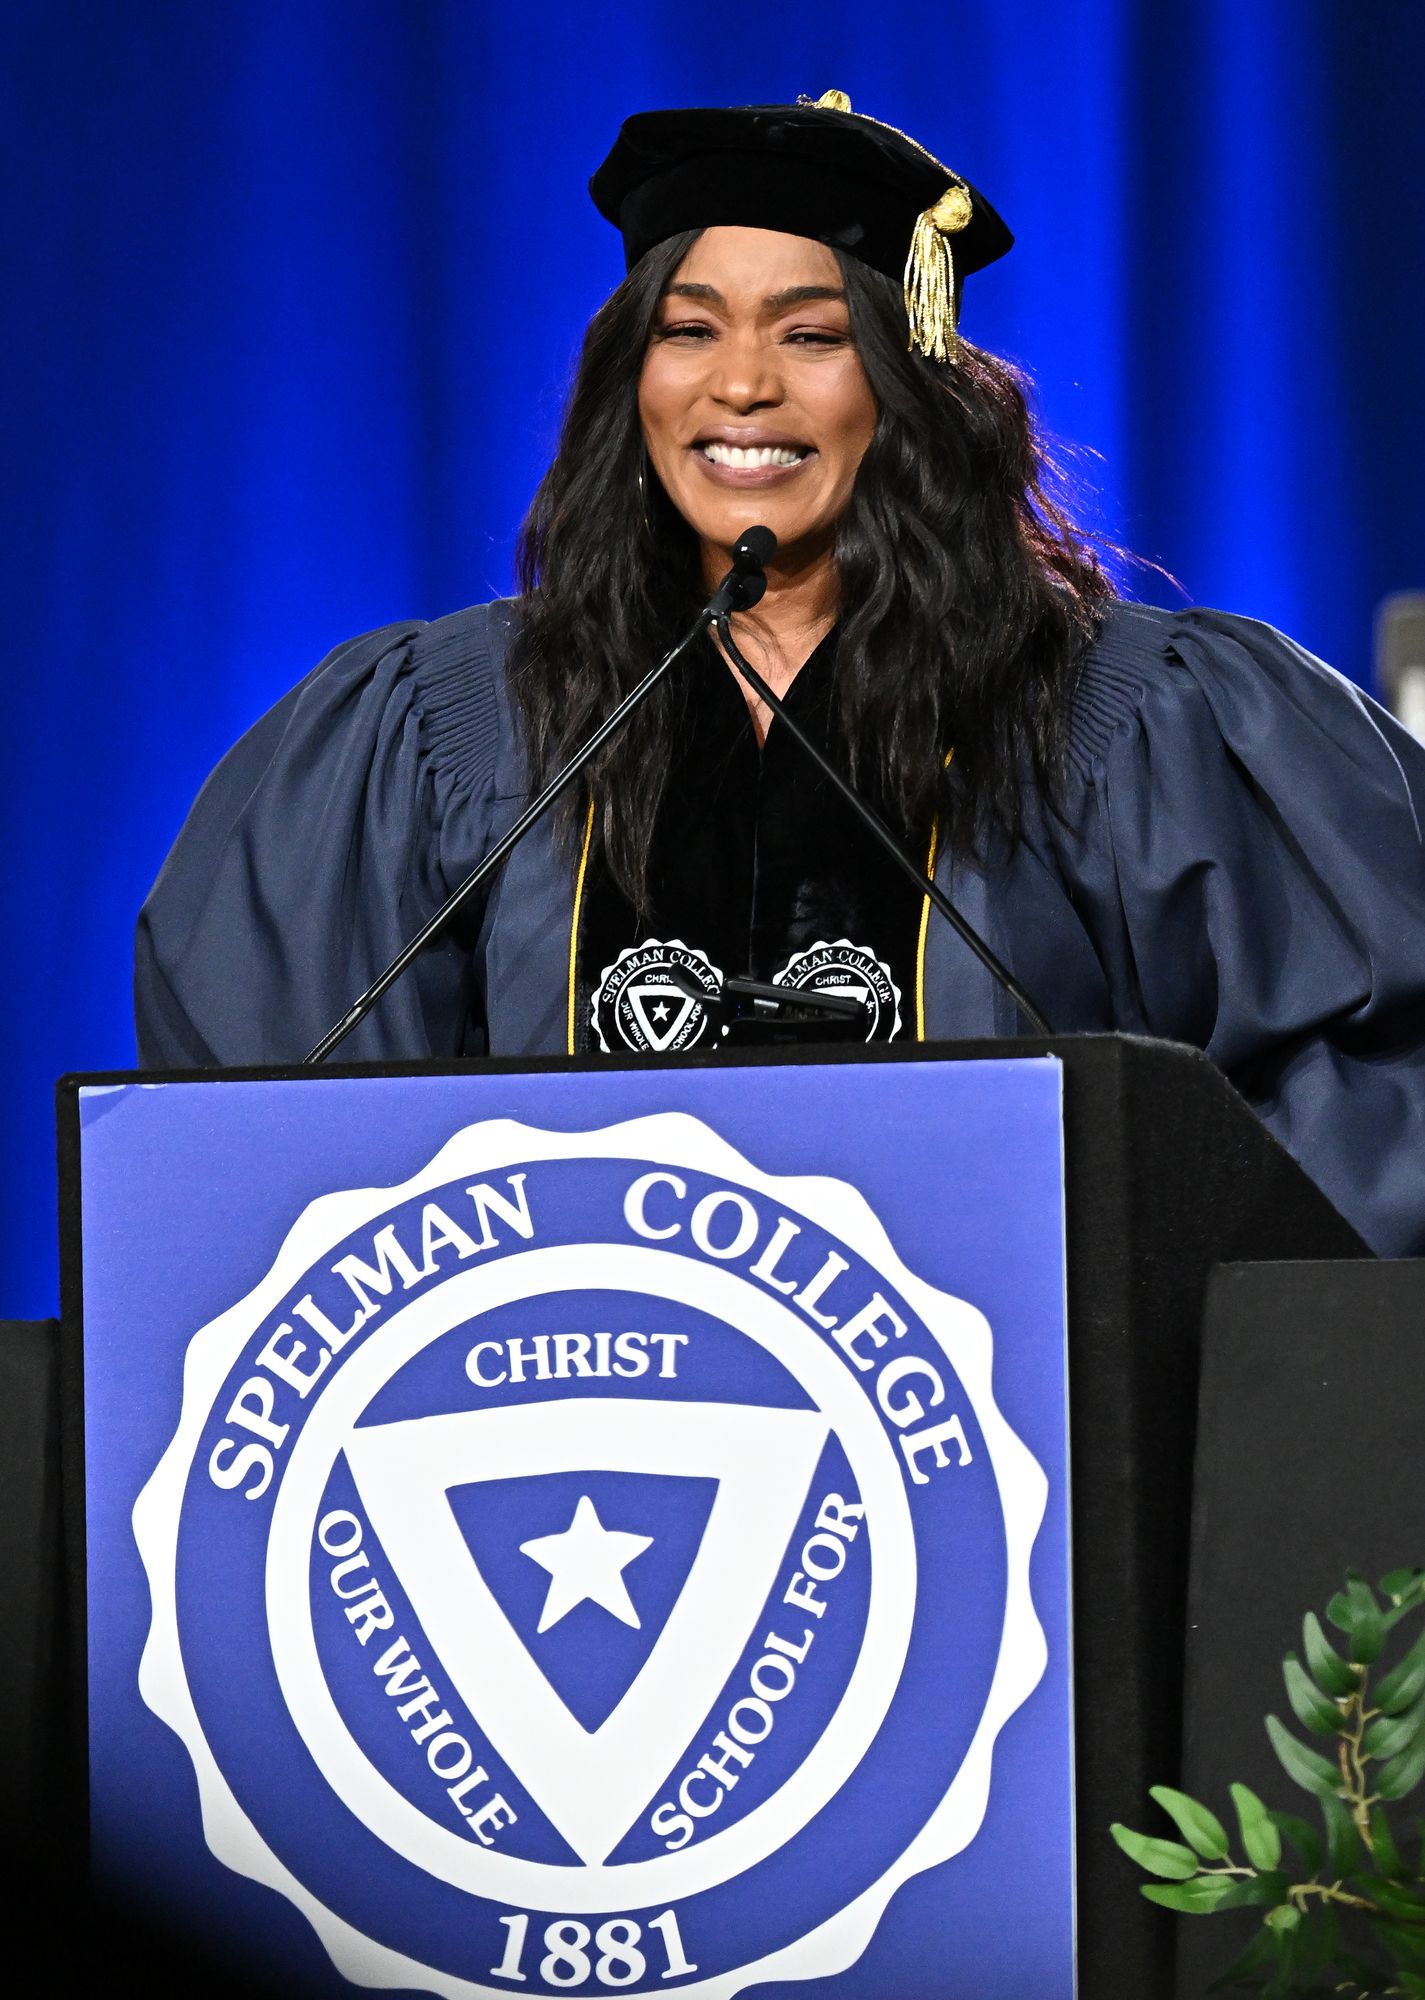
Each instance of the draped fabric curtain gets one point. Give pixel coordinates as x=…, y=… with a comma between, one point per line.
x=293, y=289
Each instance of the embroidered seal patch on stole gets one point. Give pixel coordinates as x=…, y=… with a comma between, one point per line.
x=843, y=967
x=637, y=1006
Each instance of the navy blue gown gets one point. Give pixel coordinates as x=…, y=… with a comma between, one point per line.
x=1236, y=863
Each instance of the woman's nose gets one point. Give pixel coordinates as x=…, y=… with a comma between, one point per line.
x=746, y=375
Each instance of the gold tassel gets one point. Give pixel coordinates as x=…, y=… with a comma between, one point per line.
x=930, y=274
x=930, y=267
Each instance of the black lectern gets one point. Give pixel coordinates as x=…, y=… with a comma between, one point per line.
x=1167, y=1174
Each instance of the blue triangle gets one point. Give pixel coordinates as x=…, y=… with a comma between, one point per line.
x=589, y=1657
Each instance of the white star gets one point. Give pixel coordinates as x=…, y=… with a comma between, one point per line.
x=661, y=1011
x=586, y=1561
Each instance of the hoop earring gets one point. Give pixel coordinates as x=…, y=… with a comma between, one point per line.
x=643, y=503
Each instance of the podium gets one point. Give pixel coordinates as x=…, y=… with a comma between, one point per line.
x=1165, y=1174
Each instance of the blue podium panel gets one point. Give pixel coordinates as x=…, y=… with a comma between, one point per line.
x=585, y=1531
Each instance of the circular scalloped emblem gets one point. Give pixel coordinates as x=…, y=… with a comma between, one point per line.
x=636, y=1004
x=595, y=1564
x=843, y=967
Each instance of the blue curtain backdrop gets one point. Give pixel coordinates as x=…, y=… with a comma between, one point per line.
x=293, y=288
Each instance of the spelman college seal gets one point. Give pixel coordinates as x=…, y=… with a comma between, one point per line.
x=593, y=1565
x=639, y=1005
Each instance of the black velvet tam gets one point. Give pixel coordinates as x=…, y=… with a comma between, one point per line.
x=807, y=169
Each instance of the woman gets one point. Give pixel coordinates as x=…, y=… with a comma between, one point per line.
x=1176, y=824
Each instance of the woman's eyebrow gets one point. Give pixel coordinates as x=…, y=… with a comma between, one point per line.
x=800, y=295
x=774, y=303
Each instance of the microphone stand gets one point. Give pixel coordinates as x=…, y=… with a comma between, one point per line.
x=741, y=588
x=872, y=820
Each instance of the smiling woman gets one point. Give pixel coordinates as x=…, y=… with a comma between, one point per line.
x=1173, y=823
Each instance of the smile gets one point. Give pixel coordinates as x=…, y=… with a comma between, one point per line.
x=751, y=465
x=754, y=455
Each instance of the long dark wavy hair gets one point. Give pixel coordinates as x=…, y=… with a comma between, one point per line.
x=968, y=593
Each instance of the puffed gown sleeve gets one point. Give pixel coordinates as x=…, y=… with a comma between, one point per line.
x=1248, y=856
x=323, y=840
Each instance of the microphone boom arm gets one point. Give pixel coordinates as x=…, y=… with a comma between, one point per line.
x=739, y=590
x=536, y=810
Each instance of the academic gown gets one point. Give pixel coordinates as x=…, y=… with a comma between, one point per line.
x=1235, y=862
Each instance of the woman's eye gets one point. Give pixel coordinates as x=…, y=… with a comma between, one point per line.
x=696, y=331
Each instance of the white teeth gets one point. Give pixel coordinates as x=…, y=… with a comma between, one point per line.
x=753, y=455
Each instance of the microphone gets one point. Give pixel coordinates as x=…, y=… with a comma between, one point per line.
x=926, y=884
x=744, y=585
x=741, y=588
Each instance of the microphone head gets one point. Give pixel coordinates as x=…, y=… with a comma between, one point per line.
x=753, y=550
x=745, y=587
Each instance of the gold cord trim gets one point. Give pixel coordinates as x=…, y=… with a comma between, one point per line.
x=925, y=926
x=837, y=100
x=920, y=941
x=574, y=926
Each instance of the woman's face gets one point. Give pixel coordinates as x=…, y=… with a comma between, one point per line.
x=754, y=404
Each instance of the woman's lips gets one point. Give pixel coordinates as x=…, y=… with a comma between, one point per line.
x=755, y=476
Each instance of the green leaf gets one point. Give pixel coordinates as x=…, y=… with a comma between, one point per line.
x=1388, y=1735
x=1159, y=1857
x=1260, y=1953
x=1257, y=1892
x=1259, y=1834
x=1305, y=1839
x=1307, y=1768
x=1407, y=1904
x=1201, y=1829
x=1365, y=1634
x=1404, y=1684
x=1343, y=1841
x=1412, y=1985
x=1279, y=1986
x=1367, y=1975
x=1402, y=1583
x=1384, y=1852
x=1195, y=1899
x=1406, y=1942
x=1315, y=1944
x=1285, y=1917
x=1339, y=1611
x=1332, y=1675
x=1310, y=1707
x=1401, y=1774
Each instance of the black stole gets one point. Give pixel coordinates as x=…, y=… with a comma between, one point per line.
x=756, y=868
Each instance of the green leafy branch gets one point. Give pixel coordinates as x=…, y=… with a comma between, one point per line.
x=1343, y=1910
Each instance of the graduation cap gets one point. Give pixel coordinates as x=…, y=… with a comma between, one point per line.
x=812, y=169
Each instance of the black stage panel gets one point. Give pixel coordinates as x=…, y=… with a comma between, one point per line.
x=1310, y=1461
